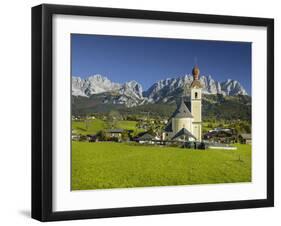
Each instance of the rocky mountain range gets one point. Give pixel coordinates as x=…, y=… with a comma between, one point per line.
x=131, y=93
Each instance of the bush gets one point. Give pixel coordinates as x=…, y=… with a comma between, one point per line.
x=83, y=138
x=101, y=136
x=113, y=139
x=125, y=136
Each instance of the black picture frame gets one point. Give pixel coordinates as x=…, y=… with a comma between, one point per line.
x=42, y=111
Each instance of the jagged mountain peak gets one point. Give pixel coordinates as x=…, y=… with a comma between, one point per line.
x=131, y=93
x=133, y=89
x=132, y=83
x=98, y=77
x=93, y=84
x=232, y=88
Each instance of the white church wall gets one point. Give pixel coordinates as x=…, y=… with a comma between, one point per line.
x=179, y=123
x=196, y=111
x=196, y=95
x=197, y=128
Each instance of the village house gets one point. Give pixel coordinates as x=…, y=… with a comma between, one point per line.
x=146, y=138
x=245, y=138
x=117, y=133
x=220, y=136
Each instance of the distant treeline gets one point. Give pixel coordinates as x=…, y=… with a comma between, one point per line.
x=215, y=107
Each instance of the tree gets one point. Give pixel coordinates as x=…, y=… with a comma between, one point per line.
x=101, y=135
x=113, y=117
x=87, y=123
x=125, y=136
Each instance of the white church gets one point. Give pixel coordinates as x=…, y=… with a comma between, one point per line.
x=185, y=124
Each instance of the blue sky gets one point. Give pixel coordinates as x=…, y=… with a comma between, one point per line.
x=148, y=60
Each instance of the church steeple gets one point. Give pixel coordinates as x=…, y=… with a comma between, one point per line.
x=195, y=72
x=196, y=82
x=196, y=103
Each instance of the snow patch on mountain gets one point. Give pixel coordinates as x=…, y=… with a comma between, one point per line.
x=131, y=93
x=92, y=85
x=233, y=88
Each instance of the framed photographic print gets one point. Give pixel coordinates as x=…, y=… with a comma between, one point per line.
x=146, y=112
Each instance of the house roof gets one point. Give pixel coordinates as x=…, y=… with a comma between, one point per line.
x=182, y=111
x=114, y=131
x=246, y=136
x=168, y=127
x=182, y=132
x=146, y=136
x=218, y=133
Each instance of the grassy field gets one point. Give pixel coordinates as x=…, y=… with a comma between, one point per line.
x=94, y=125
x=119, y=165
x=125, y=124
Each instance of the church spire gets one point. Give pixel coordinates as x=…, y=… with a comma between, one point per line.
x=195, y=72
x=196, y=82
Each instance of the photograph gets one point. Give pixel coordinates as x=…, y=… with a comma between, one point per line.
x=150, y=111
x=145, y=112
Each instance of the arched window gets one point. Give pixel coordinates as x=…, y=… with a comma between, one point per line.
x=196, y=95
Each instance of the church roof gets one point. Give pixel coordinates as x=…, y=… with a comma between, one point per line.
x=196, y=83
x=168, y=127
x=246, y=136
x=182, y=111
x=146, y=136
x=182, y=132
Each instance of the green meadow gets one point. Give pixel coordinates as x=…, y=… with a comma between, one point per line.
x=91, y=127
x=126, y=124
x=104, y=165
